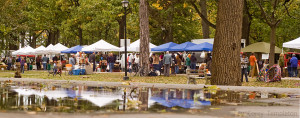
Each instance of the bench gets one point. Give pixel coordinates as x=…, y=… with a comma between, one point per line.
x=193, y=74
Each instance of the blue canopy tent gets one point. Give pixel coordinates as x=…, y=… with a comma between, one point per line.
x=201, y=47
x=164, y=47
x=184, y=103
x=74, y=49
x=182, y=47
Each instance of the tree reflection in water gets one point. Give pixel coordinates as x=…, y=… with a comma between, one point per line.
x=41, y=97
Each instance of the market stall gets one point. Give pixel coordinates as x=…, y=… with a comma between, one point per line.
x=74, y=49
x=201, y=47
x=182, y=47
x=164, y=47
x=292, y=44
x=100, y=46
x=135, y=46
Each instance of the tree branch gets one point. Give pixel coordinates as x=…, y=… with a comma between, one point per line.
x=264, y=14
x=202, y=16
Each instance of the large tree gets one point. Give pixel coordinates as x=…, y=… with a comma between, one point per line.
x=226, y=69
x=144, y=37
x=272, y=12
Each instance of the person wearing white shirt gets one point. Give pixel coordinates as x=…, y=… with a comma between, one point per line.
x=130, y=58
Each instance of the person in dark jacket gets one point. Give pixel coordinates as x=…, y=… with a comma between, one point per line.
x=38, y=63
x=111, y=62
x=92, y=59
x=193, y=61
x=22, y=62
x=167, y=60
x=289, y=66
x=45, y=61
x=55, y=58
x=294, y=65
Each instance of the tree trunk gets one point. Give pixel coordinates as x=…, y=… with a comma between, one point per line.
x=80, y=36
x=246, y=29
x=50, y=38
x=107, y=28
x=33, y=41
x=246, y=24
x=22, y=38
x=272, y=45
x=144, y=37
x=205, y=26
x=56, y=37
x=169, y=24
x=121, y=29
x=13, y=44
x=226, y=67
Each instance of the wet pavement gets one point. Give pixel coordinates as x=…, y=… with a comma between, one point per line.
x=52, y=99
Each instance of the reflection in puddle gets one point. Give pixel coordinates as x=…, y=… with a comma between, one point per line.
x=68, y=98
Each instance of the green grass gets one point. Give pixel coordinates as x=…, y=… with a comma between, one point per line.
x=118, y=77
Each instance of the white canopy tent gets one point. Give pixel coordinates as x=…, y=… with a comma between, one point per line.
x=44, y=50
x=35, y=51
x=292, y=44
x=135, y=46
x=101, y=46
x=23, y=51
x=56, y=49
x=50, y=49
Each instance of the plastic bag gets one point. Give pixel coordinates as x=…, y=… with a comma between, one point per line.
x=202, y=54
x=107, y=68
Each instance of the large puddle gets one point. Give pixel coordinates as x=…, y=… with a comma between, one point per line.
x=42, y=97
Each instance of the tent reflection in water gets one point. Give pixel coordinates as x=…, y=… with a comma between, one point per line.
x=184, y=103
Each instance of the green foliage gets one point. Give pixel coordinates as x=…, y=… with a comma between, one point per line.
x=101, y=20
x=288, y=28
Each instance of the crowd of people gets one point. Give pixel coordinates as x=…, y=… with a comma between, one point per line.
x=166, y=63
x=176, y=62
x=290, y=62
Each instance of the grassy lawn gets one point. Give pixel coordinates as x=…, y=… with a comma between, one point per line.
x=118, y=77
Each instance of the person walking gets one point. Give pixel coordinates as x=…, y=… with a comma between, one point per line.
x=111, y=62
x=130, y=61
x=193, y=61
x=289, y=66
x=161, y=57
x=45, y=61
x=173, y=63
x=9, y=62
x=244, y=66
x=281, y=63
x=22, y=62
x=72, y=62
x=92, y=59
x=38, y=63
x=178, y=63
x=252, y=60
x=188, y=61
x=136, y=63
x=155, y=62
x=28, y=63
x=167, y=60
x=294, y=65
x=208, y=62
